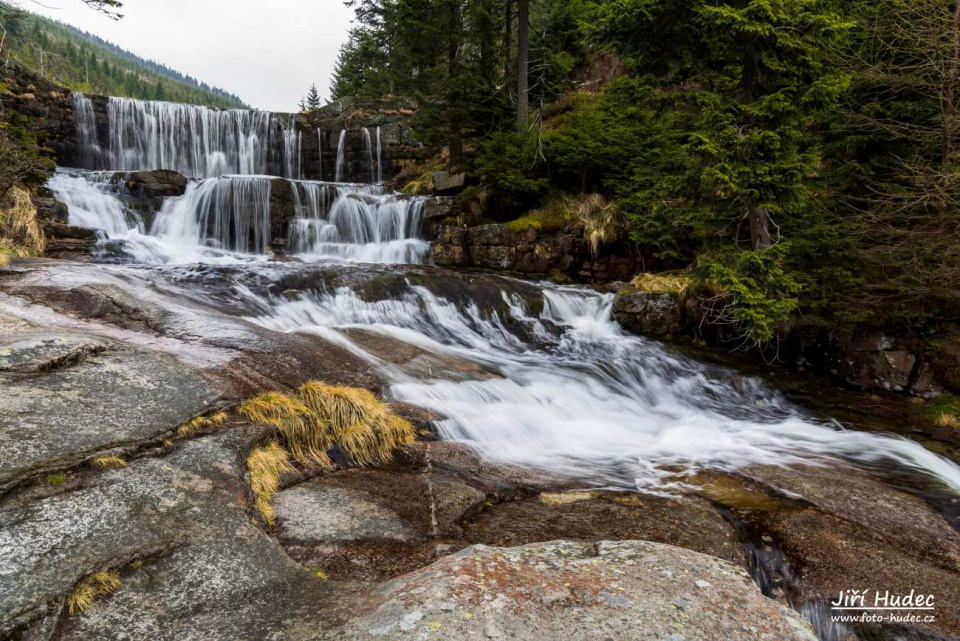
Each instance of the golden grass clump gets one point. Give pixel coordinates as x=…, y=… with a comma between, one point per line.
x=664, y=283
x=20, y=232
x=949, y=421
x=602, y=220
x=108, y=462
x=198, y=423
x=96, y=585
x=321, y=415
x=267, y=464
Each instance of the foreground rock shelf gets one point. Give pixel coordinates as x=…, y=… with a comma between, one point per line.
x=109, y=360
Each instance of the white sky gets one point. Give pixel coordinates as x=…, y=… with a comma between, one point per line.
x=268, y=52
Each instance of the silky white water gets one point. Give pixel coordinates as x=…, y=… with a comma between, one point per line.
x=228, y=219
x=358, y=223
x=590, y=402
x=91, y=203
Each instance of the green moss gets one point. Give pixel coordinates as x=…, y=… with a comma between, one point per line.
x=935, y=409
x=56, y=479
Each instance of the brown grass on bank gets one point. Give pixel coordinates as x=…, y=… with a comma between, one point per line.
x=309, y=424
x=664, y=283
x=87, y=591
x=20, y=232
x=321, y=415
x=267, y=464
x=602, y=220
x=948, y=421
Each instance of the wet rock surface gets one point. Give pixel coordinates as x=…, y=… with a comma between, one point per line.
x=373, y=552
x=564, y=590
x=67, y=397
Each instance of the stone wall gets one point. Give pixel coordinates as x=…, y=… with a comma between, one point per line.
x=495, y=247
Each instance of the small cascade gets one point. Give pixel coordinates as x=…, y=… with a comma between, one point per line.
x=320, y=153
x=341, y=151
x=360, y=223
x=291, y=150
x=229, y=213
x=89, y=153
x=368, y=150
x=379, y=159
x=92, y=202
x=587, y=401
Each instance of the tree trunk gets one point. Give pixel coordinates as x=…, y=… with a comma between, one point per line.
x=760, y=228
x=508, y=40
x=453, y=71
x=523, y=61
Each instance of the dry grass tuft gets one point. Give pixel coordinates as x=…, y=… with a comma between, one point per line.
x=602, y=220
x=96, y=585
x=199, y=423
x=949, y=421
x=267, y=464
x=664, y=283
x=20, y=232
x=322, y=415
x=108, y=462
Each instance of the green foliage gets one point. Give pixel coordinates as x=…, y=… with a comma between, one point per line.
x=507, y=161
x=756, y=293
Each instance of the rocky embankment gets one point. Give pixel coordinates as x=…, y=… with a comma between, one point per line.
x=102, y=364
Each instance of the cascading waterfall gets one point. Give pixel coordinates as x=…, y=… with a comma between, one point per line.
x=195, y=141
x=229, y=213
x=361, y=223
x=291, y=150
x=91, y=202
x=228, y=218
x=368, y=150
x=379, y=157
x=341, y=152
x=586, y=401
x=89, y=153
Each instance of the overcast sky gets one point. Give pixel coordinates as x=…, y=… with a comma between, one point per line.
x=268, y=52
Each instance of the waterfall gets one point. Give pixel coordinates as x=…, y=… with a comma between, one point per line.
x=229, y=213
x=92, y=202
x=379, y=159
x=89, y=154
x=291, y=150
x=228, y=218
x=368, y=150
x=319, y=153
x=193, y=140
x=356, y=223
x=341, y=149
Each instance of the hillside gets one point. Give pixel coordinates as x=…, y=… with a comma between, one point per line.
x=84, y=62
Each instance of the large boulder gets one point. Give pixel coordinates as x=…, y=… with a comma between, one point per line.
x=643, y=312
x=563, y=590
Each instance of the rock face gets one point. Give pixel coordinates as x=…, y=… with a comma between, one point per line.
x=563, y=590
x=445, y=183
x=360, y=118
x=643, y=312
x=496, y=247
x=868, y=360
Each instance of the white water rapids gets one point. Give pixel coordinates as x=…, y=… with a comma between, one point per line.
x=587, y=401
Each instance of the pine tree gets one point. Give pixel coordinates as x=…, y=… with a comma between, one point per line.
x=313, y=99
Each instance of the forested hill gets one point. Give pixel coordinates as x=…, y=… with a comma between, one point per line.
x=84, y=62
